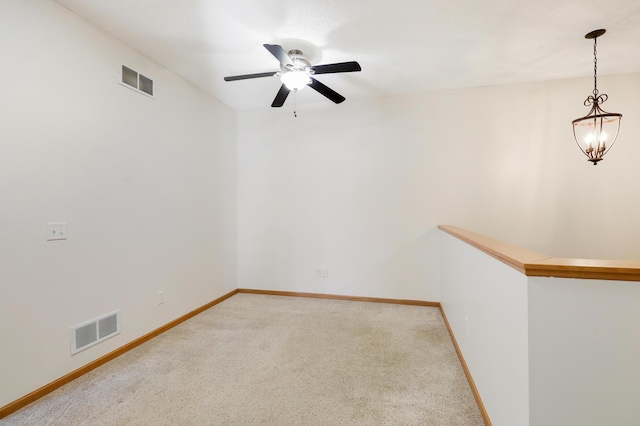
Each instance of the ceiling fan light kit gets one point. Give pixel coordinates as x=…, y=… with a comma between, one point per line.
x=296, y=73
x=596, y=132
x=295, y=80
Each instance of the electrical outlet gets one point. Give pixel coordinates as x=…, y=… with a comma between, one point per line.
x=160, y=297
x=56, y=231
x=322, y=272
x=466, y=325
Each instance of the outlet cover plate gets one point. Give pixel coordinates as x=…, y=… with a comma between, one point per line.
x=56, y=231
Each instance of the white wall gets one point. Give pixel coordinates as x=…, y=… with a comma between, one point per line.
x=147, y=187
x=360, y=187
x=493, y=298
x=584, y=345
x=336, y=188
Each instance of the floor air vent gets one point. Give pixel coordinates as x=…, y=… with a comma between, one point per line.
x=95, y=331
x=136, y=81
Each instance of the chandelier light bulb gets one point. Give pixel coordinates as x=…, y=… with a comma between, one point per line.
x=589, y=140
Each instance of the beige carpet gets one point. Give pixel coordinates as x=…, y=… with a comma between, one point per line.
x=273, y=360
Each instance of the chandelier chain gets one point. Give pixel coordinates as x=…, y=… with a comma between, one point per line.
x=595, y=67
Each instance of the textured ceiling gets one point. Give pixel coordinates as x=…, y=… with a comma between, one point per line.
x=403, y=46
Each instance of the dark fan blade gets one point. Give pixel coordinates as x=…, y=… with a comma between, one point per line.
x=280, y=97
x=324, y=90
x=280, y=54
x=339, y=67
x=247, y=76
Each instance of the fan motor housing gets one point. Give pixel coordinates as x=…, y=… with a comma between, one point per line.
x=300, y=62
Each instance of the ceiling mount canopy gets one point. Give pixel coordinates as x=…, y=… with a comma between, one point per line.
x=596, y=132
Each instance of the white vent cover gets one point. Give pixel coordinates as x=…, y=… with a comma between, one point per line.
x=136, y=81
x=91, y=332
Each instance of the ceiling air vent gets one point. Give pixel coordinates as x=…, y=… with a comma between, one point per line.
x=136, y=81
x=95, y=331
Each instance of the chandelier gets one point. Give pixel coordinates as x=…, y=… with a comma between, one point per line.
x=596, y=132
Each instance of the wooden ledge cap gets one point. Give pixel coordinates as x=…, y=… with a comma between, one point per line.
x=535, y=264
x=595, y=269
x=514, y=256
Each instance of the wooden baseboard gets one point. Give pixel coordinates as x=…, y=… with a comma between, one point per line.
x=340, y=297
x=472, y=384
x=46, y=389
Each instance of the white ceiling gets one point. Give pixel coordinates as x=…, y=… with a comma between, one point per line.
x=403, y=46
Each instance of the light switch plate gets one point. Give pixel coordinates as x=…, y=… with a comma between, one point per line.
x=56, y=231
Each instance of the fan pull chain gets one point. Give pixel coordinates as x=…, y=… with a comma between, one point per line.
x=295, y=114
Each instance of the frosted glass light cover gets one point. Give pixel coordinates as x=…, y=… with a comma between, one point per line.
x=295, y=80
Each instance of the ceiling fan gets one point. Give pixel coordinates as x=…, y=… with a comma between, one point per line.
x=296, y=72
